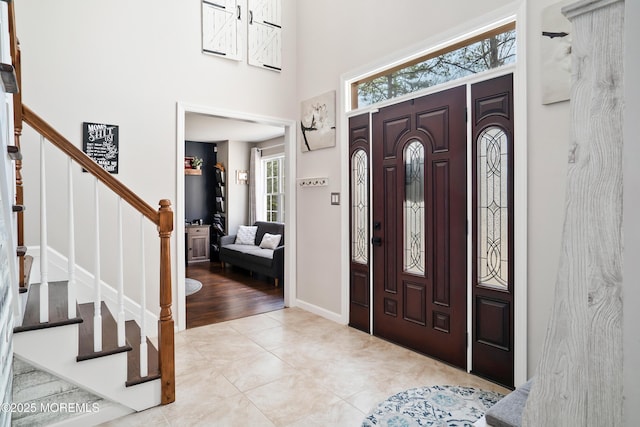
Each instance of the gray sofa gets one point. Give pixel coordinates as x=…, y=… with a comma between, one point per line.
x=269, y=262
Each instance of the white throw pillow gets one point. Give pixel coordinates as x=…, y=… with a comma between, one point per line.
x=270, y=241
x=246, y=235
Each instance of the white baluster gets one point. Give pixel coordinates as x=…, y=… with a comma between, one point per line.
x=71, y=286
x=121, y=316
x=44, y=246
x=144, y=370
x=97, y=312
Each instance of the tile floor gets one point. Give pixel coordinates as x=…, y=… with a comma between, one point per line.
x=289, y=368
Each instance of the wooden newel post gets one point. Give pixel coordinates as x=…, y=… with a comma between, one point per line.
x=165, y=323
x=17, y=123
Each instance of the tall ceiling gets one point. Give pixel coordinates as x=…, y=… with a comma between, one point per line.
x=205, y=128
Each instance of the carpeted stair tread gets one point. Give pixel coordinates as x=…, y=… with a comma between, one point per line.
x=109, y=333
x=58, y=308
x=508, y=411
x=37, y=384
x=43, y=392
x=81, y=401
x=133, y=357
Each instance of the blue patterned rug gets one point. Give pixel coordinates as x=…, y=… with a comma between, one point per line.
x=438, y=406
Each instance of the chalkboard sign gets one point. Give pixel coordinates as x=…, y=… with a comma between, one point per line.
x=100, y=142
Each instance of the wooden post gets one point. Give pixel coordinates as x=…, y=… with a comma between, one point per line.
x=165, y=323
x=17, y=124
x=578, y=381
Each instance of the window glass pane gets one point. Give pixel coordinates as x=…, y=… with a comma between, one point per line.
x=492, y=52
x=493, y=208
x=274, y=188
x=414, y=209
x=360, y=207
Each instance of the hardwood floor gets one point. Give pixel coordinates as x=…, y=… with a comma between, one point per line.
x=229, y=294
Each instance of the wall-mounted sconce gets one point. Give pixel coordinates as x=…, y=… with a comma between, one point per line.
x=242, y=177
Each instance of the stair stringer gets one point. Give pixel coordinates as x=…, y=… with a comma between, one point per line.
x=55, y=350
x=58, y=271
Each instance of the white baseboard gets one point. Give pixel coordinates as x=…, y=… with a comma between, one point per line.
x=322, y=312
x=58, y=265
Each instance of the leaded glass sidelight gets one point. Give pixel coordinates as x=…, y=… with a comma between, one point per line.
x=413, y=207
x=493, y=208
x=360, y=207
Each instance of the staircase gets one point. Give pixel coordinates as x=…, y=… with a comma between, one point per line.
x=78, y=341
x=113, y=372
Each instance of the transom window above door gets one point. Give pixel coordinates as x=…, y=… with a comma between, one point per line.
x=486, y=51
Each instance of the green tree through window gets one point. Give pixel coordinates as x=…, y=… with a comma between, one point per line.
x=491, y=52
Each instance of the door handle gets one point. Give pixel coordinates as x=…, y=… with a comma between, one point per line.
x=376, y=241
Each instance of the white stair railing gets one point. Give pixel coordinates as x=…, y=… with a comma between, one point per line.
x=97, y=301
x=144, y=369
x=44, y=246
x=121, y=316
x=71, y=286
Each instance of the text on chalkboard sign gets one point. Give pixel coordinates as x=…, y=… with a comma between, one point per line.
x=100, y=142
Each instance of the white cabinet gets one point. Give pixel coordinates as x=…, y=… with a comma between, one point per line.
x=265, y=34
x=222, y=28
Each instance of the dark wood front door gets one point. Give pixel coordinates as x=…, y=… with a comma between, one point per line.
x=359, y=254
x=419, y=224
x=493, y=252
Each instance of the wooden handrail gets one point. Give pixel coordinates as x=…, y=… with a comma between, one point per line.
x=53, y=136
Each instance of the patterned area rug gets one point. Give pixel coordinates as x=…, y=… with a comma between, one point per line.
x=437, y=406
x=191, y=286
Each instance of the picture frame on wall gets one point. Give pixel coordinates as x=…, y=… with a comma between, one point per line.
x=318, y=122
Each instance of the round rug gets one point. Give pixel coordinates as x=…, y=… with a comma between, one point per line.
x=191, y=286
x=440, y=406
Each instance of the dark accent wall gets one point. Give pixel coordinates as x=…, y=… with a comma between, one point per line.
x=199, y=190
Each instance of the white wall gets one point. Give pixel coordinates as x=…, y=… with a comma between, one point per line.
x=548, y=145
x=237, y=193
x=128, y=63
x=631, y=226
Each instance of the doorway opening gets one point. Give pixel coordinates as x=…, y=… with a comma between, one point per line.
x=213, y=203
x=409, y=283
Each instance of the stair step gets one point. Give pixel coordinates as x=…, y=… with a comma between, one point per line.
x=133, y=357
x=109, y=333
x=39, y=390
x=14, y=152
x=8, y=77
x=28, y=263
x=58, y=309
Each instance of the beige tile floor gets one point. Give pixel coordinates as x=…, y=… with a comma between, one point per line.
x=289, y=368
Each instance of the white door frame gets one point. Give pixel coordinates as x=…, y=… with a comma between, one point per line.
x=290, y=199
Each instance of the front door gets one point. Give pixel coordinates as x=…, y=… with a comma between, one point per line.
x=419, y=224
x=492, y=224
